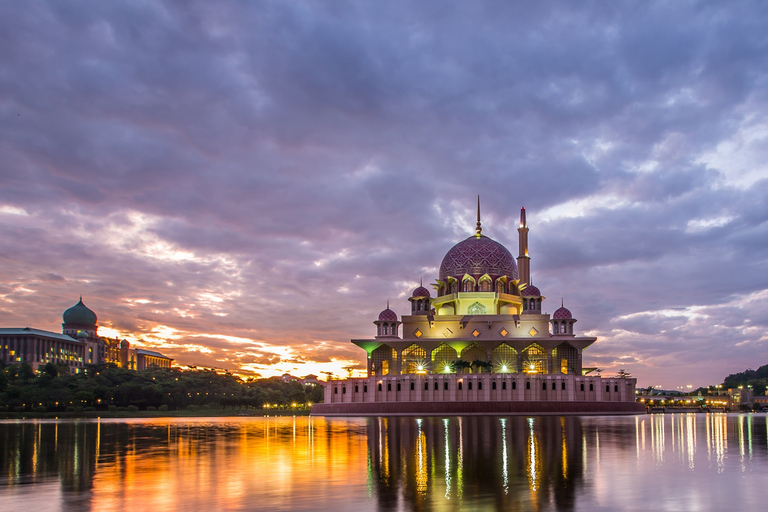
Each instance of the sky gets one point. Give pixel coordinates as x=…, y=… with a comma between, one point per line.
x=244, y=184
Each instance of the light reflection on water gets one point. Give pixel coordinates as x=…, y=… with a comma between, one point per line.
x=680, y=462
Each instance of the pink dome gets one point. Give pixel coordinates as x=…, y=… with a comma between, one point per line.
x=562, y=313
x=387, y=316
x=476, y=256
x=420, y=292
x=530, y=291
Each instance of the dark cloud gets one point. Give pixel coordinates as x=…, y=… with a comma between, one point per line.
x=274, y=172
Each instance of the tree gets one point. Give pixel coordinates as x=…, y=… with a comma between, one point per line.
x=26, y=372
x=623, y=374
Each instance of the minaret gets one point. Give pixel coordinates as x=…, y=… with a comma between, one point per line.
x=523, y=260
x=478, y=228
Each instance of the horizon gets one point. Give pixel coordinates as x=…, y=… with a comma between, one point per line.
x=246, y=185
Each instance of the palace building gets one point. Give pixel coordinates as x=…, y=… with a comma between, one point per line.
x=478, y=343
x=79, y=345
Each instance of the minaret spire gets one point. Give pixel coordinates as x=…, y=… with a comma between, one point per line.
x=479, y=228
x=523, y=260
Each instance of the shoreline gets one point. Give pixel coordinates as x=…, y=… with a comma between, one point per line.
x=211, y=413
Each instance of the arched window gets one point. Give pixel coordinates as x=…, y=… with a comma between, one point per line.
x=412, y=386
x=459, y=385
x=382, y=360
x=356, y=388
x=504, y=385
x=569, y=359
x=480, y=385
x=514, y=384
x=535, y=359
x=493, y=385
x=485, y=284
x=474, y=352
x=426, y=386
x=442, y=357
x=470, y=386
x=527, y=384
x=476, y=309
x=468, y=285
x=414, y=359
x=504, y=359
x=365, y=389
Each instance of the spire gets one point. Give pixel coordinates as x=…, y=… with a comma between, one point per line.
x=523, y=222
x=479, y=228
x=562, y=302
x=387, y=303
x=421, y=281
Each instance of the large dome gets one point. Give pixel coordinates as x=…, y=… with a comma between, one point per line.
x=476, y=256
x=79, y=314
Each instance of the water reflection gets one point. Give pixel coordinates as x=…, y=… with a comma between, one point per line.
x=452, y=463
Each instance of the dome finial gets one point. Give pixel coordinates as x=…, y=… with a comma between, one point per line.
x=479, y=228
x=562, y=302
x=421, y=281
x=387, y=303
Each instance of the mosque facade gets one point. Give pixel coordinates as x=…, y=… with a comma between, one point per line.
x=478, y=342
x=78, y=345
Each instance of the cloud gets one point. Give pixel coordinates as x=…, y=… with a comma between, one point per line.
x=274, y=171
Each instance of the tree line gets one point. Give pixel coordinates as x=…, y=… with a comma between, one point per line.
x=758, y=379
x=107, y=387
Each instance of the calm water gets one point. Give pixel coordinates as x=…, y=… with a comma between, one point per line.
x=659, y=462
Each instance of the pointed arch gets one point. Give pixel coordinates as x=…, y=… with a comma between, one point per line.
x=504, y=359
x=383, y=360
x=474, y=352
x=534, y=359
x=442, y=357
x=476, y=309
x=414, y=357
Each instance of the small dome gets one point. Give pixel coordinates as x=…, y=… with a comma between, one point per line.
x=79, y=314
x=82, y=334
x=562, y=313
x=387, y=316
x=420, y=292
x=530, y=291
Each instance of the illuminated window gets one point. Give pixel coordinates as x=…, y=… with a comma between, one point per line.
x=486, y=285
x=503, y=333
x=382, y=360
x=447, y=332
x=535, y=359
x=569, y=358
x=418, y=333
x=468, y=285
x=504, y=359
x=476, y=309
x=442, y=357
x=475, y=333
x=533, y=332
x=413, y=358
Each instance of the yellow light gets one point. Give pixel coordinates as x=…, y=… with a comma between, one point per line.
x=504, y=368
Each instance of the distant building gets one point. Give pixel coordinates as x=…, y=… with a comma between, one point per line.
x=78, y=345
x=479, y=342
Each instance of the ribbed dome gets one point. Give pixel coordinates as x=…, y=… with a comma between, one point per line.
x=387, y=316
x=79, y=314
x=420, y=292
x=562, y=313
x=476, y=256
x=530, y=291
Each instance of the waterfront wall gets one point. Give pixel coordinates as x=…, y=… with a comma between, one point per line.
x=482, y=387
x=477, y=408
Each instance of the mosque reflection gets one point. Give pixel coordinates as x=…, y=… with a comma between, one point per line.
x=505, y=462
x=396, y=463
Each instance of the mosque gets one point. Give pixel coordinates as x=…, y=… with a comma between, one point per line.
x=478, y=343
x=77, y=346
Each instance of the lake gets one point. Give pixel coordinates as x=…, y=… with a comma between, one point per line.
x=681, y=462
